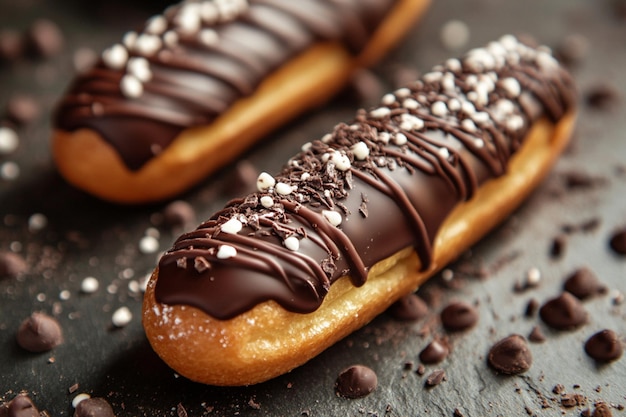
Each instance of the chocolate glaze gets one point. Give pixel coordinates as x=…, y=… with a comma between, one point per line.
x=391, y=177
x=192, y=81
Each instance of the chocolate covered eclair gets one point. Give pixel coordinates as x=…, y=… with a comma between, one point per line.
x=360, y=217
x=179, y=98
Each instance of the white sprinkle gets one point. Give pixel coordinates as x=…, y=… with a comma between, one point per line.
x=267, y=201
x=292, y=243
x=129, y=40
x=188, y=18
x=37, y=222
x=226, y=252
x=505, y=107
x=448, y=82
x=156, y=25
x=306, y=147
x=447, y=274
x=402, y=92
x=208, y=12
x=454, y=35
x=479, y=143
x=131, y=86
x=511, y=86
x=410, y=104
x=147, y=45
x=115, y=57
x=80, y=398
x=327, y=137
x=121, y=317
x=481, y=117
x=454, y=65
x=332, y=217
x=410, y=122
x=444, y=152
x=232, y=226
x=170, y=38
x=439, y=108
x=208, y=37
x=265, y=181
x=469, y=125
x=400, y=139
x=380, y=112
x=360, y=150
x=432, y=77
x=468, y=108
x=153, y=231
x=9, y=140
x=148, y=244
x=515, y=122
x=89, y=285
x=546, y=61
x=479, y=60
x=65, y=295
x=140, y=68
x=9, y=171
x=41, y=297
x=509, y=42
x=283, y=188
x=454, y=104
x=340, y=160
x=384, y=137
x=305, y=176
x=134, y=287
x=533, y=276
x=388, y=100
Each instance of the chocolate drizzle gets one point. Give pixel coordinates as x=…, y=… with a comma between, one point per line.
x=191, y=64
x=385, y=182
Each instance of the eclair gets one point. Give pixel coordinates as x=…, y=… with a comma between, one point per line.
x=195, y=86
x=360, y=217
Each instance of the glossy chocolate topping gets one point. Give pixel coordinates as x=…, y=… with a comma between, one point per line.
x=187, y=66
x=368, y=189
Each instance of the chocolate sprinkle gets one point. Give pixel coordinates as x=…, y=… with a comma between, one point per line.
x=583, y=283
x=435, y=352
x=511, y=355
x=564, y=312
x=618, y=241
x=408, y=308
x=94, y=407
x=604, y=346
x=356, y=381
x=459, y=316
x=39, y=333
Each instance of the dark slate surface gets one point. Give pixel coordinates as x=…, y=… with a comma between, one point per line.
x=85, y=237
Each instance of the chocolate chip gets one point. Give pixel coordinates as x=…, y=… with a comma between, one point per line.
x=436, y=377
x=22, y=109
x=39, y=333
x=20, y=406
x=583, y=283
x=408, y=308
x=617, y=241
x=531, y=308
x=44, y=38
x=536, y=335
x=12, y=265
x=179, y=213
x=557, y=248
x=94, y=407
x=510, y=355
x=356, y=381
x=458, y=316
x=604, y=346
x=564, y=312
x=434, y=352
x=573, y=400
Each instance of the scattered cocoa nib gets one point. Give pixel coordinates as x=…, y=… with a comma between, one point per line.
x=557, y=247
x=572, y=49
x=578, y=180
x=11, y=45
x=602, y=410
x=44, y=39
x=573, y=400
x=536, y=335
x=558, y=389
x=531, y=308
x=602, y=97
x=12, y=265
x=436, y=377
x=22, y=109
